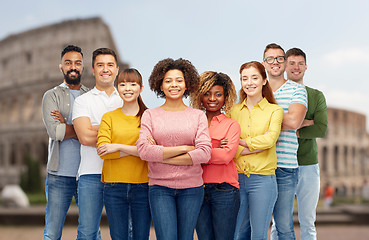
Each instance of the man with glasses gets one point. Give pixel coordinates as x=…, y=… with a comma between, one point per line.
x=292, y=97
x=313, y=126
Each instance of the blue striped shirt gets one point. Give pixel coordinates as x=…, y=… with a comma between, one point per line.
x=287, y=144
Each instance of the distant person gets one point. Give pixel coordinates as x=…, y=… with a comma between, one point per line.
x=365, y=190
x=124, y=174
x=64, y=147
x=328, y=196
x=216, y=94
x=314, y=126
x=261, y=119
x=175, y=140
x=292, y=97
x=87, y=113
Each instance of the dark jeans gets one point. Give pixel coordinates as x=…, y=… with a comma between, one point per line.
x=218, y=214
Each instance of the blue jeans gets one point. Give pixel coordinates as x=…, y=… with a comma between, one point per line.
x=218, y=214
x=175, y=211
x=90, y=198
x=307, y=194
x=119, y=199
x=59, y=194
x=258, y=194
x=282, y=228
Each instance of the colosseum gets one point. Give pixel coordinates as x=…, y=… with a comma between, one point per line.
x=29, y=66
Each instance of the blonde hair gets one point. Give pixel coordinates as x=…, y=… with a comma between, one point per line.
x=207, y=81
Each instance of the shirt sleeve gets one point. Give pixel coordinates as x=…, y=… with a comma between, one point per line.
x=300, y=95
x=146, y=151
x=202, y=151
x=226, y=154
x=319, y=129
x=266, y=141
x=105, y=135
x=55, y=129
x=80, y=108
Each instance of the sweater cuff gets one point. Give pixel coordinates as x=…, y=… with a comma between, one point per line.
x=60, y=132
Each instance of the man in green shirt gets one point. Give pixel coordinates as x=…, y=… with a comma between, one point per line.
x=313, y=126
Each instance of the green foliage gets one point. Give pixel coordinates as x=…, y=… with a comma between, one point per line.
x=31, y=179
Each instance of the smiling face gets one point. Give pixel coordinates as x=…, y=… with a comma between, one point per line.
x=296, y=68
x=252, y=82
x=274, y=69
x=173, y=85
x=105, y=70
x=129, y=91
x=213, y=100
x=72, y=67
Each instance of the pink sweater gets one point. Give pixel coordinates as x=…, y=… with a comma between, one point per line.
x=188, y=127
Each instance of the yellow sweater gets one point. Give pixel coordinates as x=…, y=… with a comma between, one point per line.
x=260, y=127
x=116, y=127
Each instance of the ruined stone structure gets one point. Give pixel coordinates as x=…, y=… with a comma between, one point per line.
x=344, y=152
x=29, y=65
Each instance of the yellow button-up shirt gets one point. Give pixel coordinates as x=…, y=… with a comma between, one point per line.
x=260, y=127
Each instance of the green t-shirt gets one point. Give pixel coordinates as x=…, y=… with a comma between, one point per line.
x=307, y=153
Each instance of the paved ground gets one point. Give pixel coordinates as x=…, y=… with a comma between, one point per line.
x=339, y=223
x=325, y=232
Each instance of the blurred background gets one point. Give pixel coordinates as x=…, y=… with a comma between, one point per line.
x=214, y=35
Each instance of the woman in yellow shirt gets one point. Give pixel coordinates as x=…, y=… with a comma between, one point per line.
x=124, y=174
x=260, y=119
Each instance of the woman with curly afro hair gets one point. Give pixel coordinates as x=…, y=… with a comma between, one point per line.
x=222, y=197
x=175, y=141
x=260, y=119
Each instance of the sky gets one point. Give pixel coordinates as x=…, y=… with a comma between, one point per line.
x=220, y=36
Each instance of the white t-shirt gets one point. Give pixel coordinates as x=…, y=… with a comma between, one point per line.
x=94, y=104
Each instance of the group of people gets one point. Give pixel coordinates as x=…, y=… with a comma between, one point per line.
x=220, y=168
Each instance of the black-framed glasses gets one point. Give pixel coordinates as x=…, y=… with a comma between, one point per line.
x=270, y=60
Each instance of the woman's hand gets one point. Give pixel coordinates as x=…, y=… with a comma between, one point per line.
x=223, y=143
x=107, y=148
x=151, y=140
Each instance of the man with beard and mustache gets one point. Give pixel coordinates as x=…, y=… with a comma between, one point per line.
x=64, y=147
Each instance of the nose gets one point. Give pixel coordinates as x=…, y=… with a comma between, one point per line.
x=212, y=97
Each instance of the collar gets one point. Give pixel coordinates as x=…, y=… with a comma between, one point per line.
x=83, y=88
x=219, y=118
x=262, y=104
x=97, y=91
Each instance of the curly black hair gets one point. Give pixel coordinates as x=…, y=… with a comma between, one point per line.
x=189, y=71
x=71, y=48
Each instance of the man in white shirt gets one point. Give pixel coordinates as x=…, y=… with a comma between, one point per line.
x=87, y=113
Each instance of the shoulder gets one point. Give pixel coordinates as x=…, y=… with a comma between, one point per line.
x=314, y=91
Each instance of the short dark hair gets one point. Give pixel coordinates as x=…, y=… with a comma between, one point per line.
x=71, y=48
x=272, y=46
x=295, y=52
x=103, y=51
x=190, y=74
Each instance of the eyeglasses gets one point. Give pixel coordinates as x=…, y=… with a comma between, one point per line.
x=270, y=60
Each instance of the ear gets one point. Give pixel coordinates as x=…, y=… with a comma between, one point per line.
x=265, y=82
x=142, y=88
x=306, y=67
x=60, y=67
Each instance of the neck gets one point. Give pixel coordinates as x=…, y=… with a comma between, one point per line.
x=107, y=89
x=130, y=108
x=72, y=86
x=301, y=81
x=210, y=115
x=174, y=105
x=276, y=82
x=252, y=101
